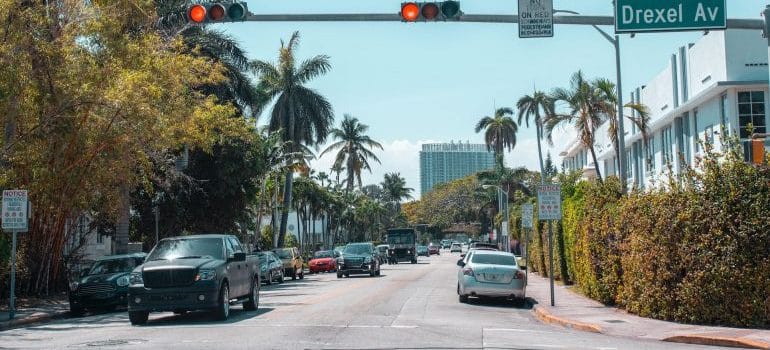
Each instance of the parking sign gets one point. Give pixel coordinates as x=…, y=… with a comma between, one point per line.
x=549, y=202
x=527, y=211
x=15, y=210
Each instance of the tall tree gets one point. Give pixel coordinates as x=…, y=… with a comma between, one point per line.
x=394, y=186
x=550, y=169
x=303, y=115
x=354, y=148
x=608, y=104
x=499, y=132
x=536, y=107
x=585, y=114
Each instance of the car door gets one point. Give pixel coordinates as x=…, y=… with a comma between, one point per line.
x=235, y=269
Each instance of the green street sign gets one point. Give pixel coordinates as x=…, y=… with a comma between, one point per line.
x=639, y=16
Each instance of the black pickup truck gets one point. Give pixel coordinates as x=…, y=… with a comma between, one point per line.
x=201, y=272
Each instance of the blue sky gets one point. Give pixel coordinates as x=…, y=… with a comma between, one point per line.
x=430, y=82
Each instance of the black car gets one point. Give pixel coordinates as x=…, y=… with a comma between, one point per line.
x=422, y=251
x=270, y=268
x=104, y=285
x=358, y=258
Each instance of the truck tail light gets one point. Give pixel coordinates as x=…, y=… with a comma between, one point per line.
x=518, y=275
x=468, y=271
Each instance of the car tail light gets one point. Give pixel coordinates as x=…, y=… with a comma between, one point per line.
x=468, y=271
x=518, y=275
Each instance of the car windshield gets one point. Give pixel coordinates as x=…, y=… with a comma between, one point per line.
x=112, y=266
x=283, y=253
x=181, y=248
x=358, y=249
x=323, y=254
x=493, y=259
x=400, y=238
x=422, y=247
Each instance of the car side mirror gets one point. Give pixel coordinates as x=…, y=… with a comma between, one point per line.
x=462, y=255
x=240, y=256
x=461, y=263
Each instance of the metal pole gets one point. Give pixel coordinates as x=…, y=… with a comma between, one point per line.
x=550, y=253
x=526, y=256
x=12, y=298
x=157, y=217
x=621, y=131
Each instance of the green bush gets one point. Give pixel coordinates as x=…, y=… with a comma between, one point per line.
x=695, y=250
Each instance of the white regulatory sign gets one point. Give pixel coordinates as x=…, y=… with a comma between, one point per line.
x=549, y=202
x=15, y=210
x=535, y=18
x=526, y=215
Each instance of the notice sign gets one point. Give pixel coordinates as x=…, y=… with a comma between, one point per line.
x=638, y=16
x=527, y=213
x=549, y=202
x=535, y=18
x=15, y=210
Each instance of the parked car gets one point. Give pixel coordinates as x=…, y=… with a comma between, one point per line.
x=323, y=261
x=358, y=258
x=104, y=285
x=455, y=247
x=382, y=251
x=487, y=273
x=434, y=250
x=422, y=251
x=293, y=264
x=446, y=244
x=270, y=268
x=199, y=272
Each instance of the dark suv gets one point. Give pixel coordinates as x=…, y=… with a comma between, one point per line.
x=358, y=258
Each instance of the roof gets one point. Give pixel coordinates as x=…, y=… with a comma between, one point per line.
x=491, y=252
x=203, y=235
x=122, y=256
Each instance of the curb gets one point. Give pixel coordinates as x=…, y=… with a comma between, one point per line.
x=6, y=325
x=734, y=342
x=545, y=316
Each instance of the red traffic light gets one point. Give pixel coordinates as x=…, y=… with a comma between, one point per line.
x=216, y=12
x=410, y=11
x=429, y=11
x=197, y=13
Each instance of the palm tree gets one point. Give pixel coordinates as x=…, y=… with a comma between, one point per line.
x=608, y=105
x=537, y=107
x=355, y=148
x=584, y=114
x=500, y=132
x=394, y=186
x=303, y=116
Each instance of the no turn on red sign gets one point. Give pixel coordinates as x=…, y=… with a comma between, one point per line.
x=549, y=202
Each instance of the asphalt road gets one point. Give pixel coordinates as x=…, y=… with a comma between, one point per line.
x=408, y=307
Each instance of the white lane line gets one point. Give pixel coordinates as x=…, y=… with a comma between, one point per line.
x=517, y=330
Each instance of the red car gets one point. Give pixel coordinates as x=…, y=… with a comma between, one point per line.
x=323, y=261
x=434, y=250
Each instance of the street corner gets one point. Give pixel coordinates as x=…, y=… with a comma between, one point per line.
x=726, y=341
x=546, y=316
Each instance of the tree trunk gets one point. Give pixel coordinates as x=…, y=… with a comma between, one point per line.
x=540, y=151
x=596, y=164
x=286, y=205
x=260, y=201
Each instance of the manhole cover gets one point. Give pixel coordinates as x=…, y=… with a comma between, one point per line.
x=114, y=342
x=614, y=321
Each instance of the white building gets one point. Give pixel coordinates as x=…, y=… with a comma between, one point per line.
x=722, y=79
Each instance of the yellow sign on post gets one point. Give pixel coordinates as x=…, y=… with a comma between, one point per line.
x=758, y=151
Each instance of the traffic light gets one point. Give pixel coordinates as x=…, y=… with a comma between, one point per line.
x=216, y=12
x=430, y=11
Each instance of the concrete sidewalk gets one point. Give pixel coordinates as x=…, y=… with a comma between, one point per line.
x=33, y=311
x=576, y=311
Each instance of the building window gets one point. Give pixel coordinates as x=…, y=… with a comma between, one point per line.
x=99, y=238
x=666, y=145
x=751, y=113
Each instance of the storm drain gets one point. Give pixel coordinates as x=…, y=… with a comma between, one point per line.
x=614, y=321
x=113, y=342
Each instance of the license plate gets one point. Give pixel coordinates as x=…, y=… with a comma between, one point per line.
x=492, y=277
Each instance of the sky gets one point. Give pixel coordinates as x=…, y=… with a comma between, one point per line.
x=416, y=83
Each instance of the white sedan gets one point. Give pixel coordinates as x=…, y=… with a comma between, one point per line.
x=487, y=273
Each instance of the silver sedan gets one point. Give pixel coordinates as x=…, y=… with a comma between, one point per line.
x=486, y=273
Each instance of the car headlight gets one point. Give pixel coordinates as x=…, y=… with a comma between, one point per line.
x=135, y=278
x=74, y=286
x=205, y=274
x=122, y=281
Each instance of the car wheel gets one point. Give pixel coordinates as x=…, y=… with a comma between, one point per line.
x=138, y=317
x=372, y=272
x=269, y=279
x=280, y=279
x=223, y=310
x=302, y=275
x=339, y=274
x=294, y=275
x=414, y=261
x=377, y=273
x=253, y=302
x=76, y=311
x=347, y=275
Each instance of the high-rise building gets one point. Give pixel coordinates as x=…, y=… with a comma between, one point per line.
x=444, y=162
